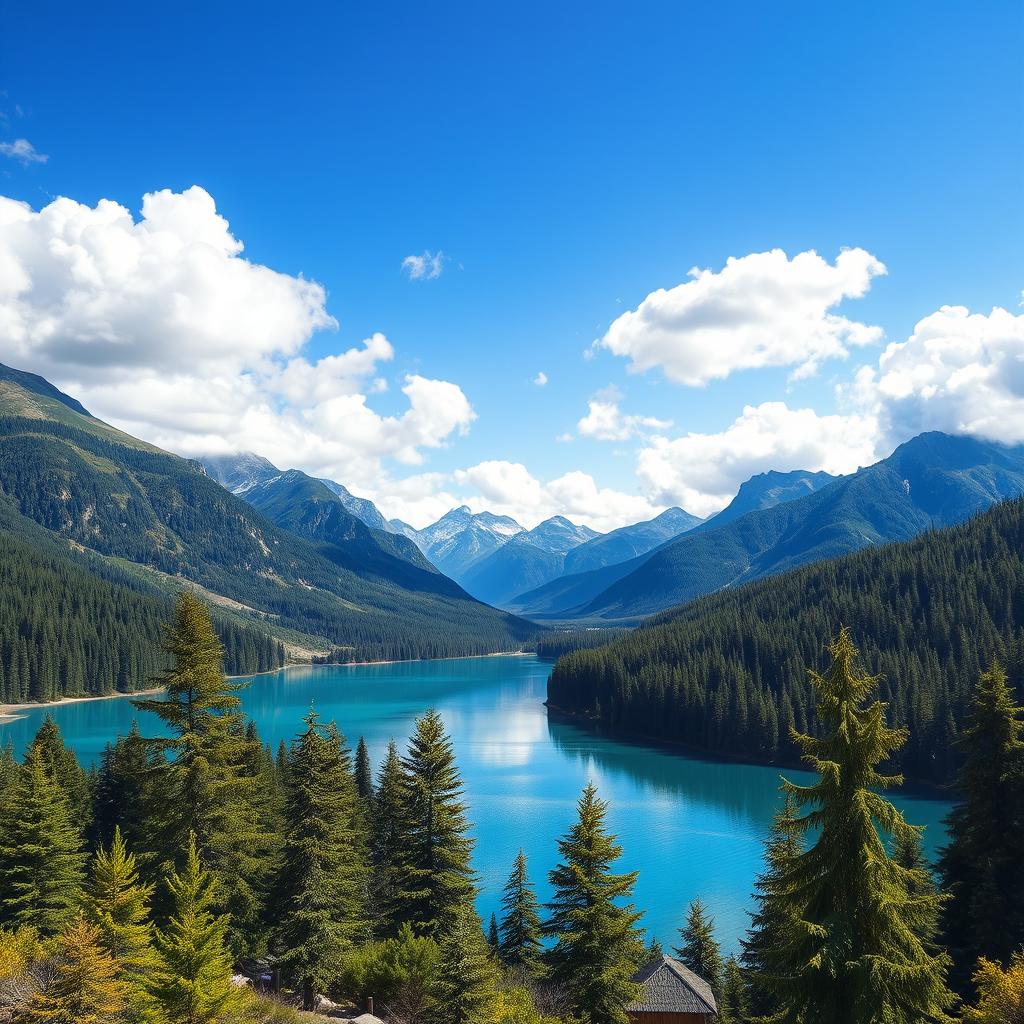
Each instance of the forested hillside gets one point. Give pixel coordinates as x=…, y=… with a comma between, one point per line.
x=71, y=625
x=726, y=673
x=104, y=491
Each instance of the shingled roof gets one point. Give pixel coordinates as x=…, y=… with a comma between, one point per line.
x=669, y=987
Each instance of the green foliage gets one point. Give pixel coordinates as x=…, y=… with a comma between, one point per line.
x=84, y=989
x=732, y=1003
x=64, y=769
x=520, y=946
x=725, y=673
x=774, y=919
x=515, y=1005
x=855, y=947
x=699, y=950
x=467, y=976
x=1000, y=993
x=982, y=866
x=117, y=905
x=192, y=982
x=209, y=790
x=597, y=946
x=402, y=973
x=324, y=871
x=435, y=880
x=364, y=773
x=390, y=826
x=41, y=863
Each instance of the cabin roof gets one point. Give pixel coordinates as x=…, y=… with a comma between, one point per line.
x=670, y=987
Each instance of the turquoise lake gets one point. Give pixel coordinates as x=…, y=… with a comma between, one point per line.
x=692, y=827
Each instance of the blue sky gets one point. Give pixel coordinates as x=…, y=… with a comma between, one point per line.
x=567, y=162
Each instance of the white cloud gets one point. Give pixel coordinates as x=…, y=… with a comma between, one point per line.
x=425, y=267
x=541, y=379
x=605, y=421
x=23, y=151
x=959, y=372
x=508, y=488
x=760, y=310
x=161, y=327
x=702, y=472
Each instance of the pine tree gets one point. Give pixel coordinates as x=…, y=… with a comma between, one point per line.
x=855, y=949
x=655, y=950
x=84, y=988
x=699, y=949
x=127, y=784
x=774, y=918
x=467, y=981
x=63, y=766
x=211, y=793
x=192, y=983
x=41, y=859
x=597, y=946
x=324, y=873
x=389, y=828
x=493, y=937
x=520, y=946
x=116, y=903
x=436, y=879
x=732, y=1004
x=981, y=866
x=364, y=773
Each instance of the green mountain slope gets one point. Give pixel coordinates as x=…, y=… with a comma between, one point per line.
x=727, y=673
x=114, y=495
x=931, y=481
x=72, y=623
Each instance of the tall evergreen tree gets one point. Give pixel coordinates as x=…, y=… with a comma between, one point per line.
x=324, y=873
x=41, y=859
x=732, y=1004
x=774, y=918
x=389, y=855
x=493, y=937
x=467, y=980
x=436, y=878
x=699, y=949
x=64, y=767
x=520, y=945
x=126, y=793
x=85, y=988
x=192, y=983
x=212, y=794
x=116, y=903
x=364, y=772
x=597, y=946
x=856, y=947
x=981, y=868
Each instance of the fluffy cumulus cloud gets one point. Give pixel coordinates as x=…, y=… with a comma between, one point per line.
x=428, y=266
x=541, y=379
x=605, y=421
x=161, y=326
x=702, y=472
x=959, y=372
x=23, y=151
x=759, y=310
x=508, y=488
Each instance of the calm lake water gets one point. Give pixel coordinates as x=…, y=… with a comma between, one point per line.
x=692, y=827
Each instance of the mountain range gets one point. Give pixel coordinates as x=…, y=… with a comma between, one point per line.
x=931, y=481
x=290, y=559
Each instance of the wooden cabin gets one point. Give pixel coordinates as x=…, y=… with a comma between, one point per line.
x=672, y=994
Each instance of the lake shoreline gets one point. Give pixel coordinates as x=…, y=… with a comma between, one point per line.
x=8, y=712
x=911, y=787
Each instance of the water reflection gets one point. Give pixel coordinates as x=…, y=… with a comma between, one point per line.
x=690, y=826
